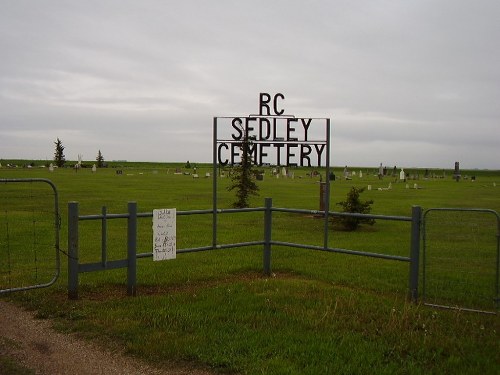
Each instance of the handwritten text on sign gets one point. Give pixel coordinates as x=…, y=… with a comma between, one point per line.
x=164, y=234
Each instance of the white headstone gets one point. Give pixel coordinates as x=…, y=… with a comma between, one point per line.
x=402, y=174
x=51, y=168
x=94, y=168
x=360, y=174
x=369, y=187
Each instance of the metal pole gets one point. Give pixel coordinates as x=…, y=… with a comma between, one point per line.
x=104, y=236
x=416, y=218
x=73, y=250
x=132, y=249
x=327, y=200
x=497, y=299
x=214, y=186
x=267, y=236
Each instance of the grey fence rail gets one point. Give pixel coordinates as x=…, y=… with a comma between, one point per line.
x=74, y=267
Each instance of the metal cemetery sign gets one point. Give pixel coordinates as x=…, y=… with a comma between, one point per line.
x=275, y=138
x=272, y=138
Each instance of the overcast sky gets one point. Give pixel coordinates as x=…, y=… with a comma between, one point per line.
x=412, y=83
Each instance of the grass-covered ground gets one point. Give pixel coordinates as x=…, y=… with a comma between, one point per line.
x=317, y=313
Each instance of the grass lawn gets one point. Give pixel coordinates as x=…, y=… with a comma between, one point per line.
x=317, y=313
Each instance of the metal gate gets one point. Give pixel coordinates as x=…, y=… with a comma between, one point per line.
x=29, y=234
x=460, y=259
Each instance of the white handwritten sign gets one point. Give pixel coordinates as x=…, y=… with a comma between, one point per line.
x=164, y=234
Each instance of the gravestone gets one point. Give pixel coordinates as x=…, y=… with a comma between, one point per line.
x=402, y=175
x=456, y=173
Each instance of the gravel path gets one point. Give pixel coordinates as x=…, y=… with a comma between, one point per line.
x=34, y=344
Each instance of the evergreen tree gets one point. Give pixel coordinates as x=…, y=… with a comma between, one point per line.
x=59, y=157
x=100, y=160
x=354, y=205
x=243, y=177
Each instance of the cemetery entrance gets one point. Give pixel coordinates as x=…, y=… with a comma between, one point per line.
x=29, y=234
x=461, y=259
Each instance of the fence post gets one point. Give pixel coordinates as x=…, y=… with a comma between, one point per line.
x=132, y=249
x=104, y=237
x=73, y=250
x=267, y=236
x=416, y=218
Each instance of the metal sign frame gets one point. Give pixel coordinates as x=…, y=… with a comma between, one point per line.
x=272, y=116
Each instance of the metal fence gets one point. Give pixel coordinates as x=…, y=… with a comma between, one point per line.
x=461, y=258
x=29, y=234
x=132, y=216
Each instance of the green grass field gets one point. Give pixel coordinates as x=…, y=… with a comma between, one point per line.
x=318, y=313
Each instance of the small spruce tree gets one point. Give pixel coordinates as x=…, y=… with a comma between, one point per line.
x=100, y=160
x=353, y=204
x=243, y=177
x=59, y=157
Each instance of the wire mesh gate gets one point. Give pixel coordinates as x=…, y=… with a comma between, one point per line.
x=460, y=259
x=29, y=234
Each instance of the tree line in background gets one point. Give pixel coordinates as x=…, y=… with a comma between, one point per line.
x=60, y=159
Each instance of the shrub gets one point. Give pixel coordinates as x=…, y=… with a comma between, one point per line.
x=353, y=204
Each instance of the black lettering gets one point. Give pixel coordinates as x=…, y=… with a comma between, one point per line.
x=275, y=104
x=235, y=148
x=264, y=130
x=264, y=100
x=262, y=153
x=236, y=123
x=222, y=145
x=290, y=130
x=278, y=152
x=289, y=154
x=248, y=128
x=252, y=152
x=319, y=150
x=305, y=151
x=306, y=126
